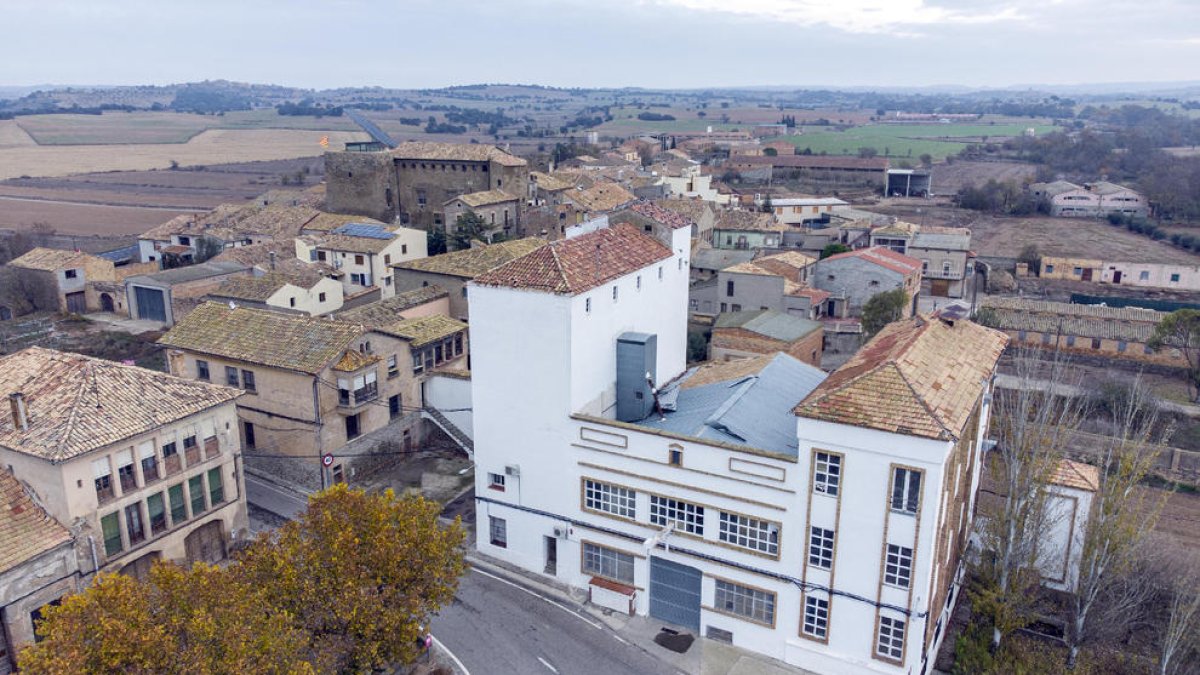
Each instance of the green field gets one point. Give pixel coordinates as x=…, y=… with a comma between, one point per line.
x=152, y=128
x=906, y=140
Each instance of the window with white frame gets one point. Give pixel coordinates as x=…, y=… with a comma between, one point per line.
x=609, y=498
x=906, y=490
x=687, y=517
x=816, y=617
x=498, y=531
x=820, y=548
x=496, y=481
x=751, y=533
x=608, y=562
x=751, y=603
x=897, y=566
x=827, y=473
x=890, y=643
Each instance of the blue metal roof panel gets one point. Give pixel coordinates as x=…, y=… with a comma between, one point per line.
x=365, y=230
x=119, y=254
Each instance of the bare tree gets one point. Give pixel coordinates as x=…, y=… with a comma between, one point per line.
x=1033, y=422
x=1123, y=514
x=1181, y=632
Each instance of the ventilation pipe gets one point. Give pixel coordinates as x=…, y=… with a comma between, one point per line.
x=20, y=417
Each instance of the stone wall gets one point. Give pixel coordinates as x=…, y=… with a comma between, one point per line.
x=362, y=183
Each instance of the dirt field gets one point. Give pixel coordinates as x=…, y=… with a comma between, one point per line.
x=948, y=178
x=215, y=146
x=122, y=128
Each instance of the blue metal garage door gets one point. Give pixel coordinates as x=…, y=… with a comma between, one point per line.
x=675, y=593
x=150, y=304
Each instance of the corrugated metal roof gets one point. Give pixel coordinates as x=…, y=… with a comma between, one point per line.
x=770, y=323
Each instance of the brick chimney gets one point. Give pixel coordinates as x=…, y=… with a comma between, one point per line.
x=16, y=401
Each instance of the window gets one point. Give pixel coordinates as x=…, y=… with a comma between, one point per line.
x=393, y=368
x=613, y=499
x=158, y=513
x=1174, y=278
x=102, y=475
x=897, y=566
x=110, y=525
x=352, y=427
x=321, y=256
x=71, y=274
x=873, y=282
x=231, y=376
x=816, y=617
x=1095, y=343
x=751, y=533
x=1078, y=271
x=820, y=548
x=660, y=272
x=394, y=406
x=1147, y=349
x=149, y=462
x=906, y=490
x=421, y=198
x=320, y=297
x=202, y=370
x=587, y=305
x=687, y=517
x=387, y=259
x=498, y=531
x=1143, y=276
x=1122, y=346
x=1049, y=269
x=945, y=267
x=125, y=471
x=196, y=492
x=464, y=291
x=1045, y=338
x=496, y=481
x=724, y=307
x=189, y=442
x=178, y=505
x=291, y=302
x=743, y=601
x=607, y=562
x=418, y=362
x=358, y=259
x=736, y=307
x=1070, y=340
x=248, y=380
x=639, y=282
x=827, y=473
x=729, y=289
x=403, y=249
x=133, y=523
x=890, y=644
x=675, y=457
x=615, y=291
x=216, y=487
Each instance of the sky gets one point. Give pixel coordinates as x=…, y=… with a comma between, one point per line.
x=601, y=43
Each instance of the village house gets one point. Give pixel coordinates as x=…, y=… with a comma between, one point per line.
x=738, y=335
x=801, y=211
x=363, y=254
x=312, y=386
x=708, y=261
x=452, y=271
x=854, y=277
x=758, y=502
x=1090, y=200
x=1085, y=330
x=824, y=169
x=166, y=297
x=944, y=252
x=747, y=230
x=305, y=291
x=701, y=212
x=499, y=210
x=424, y=301
x=778, y=282
x=143, y=465
x=1152, y=272
x=71, y=277
x=601, y=198
x=547, y=189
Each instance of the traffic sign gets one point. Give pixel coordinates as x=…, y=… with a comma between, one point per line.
x=327, y=459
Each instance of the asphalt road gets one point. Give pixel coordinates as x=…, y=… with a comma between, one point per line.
x=495, y=627
x=277, y=500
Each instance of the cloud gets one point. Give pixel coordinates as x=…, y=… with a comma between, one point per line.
x=857, y=16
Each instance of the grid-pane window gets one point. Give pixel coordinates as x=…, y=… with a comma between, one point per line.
x=158, y=513
x=687, y=517
x=216, y=487
x=906, y=490
x=827, y=473
x=125, y=471
x=196, y=492
x=751, y=533
x=609, y=498
x=231, y=376
x=897, y=567
x=750, y=603
x=816, y=617
x=608, y=562
x=178, y=505
x=891, y=638
x=110, y=525
x=820, y=548
x=498, y=530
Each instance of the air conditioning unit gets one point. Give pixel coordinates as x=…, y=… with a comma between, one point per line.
x=560, y=533
x=512, y=470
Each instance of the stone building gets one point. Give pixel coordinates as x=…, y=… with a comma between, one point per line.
x=738, y=335
x=500, y=211
x=72, y=276
x=944, y=252
x=413, y=181
x=855, y=277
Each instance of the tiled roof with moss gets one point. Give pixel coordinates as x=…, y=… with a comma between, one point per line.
x=51, y=259
x=472, y=262
x=422, y=330
x=388, y=311
x=263, y=287
x=25, y=528
x=461, y=152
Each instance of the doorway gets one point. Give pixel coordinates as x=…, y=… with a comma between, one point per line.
x=1087, y=274
x=248, y=432
x=1117, y=277
x=551, y=555
x=77, y=303
x=106, y=303
x=675, y=593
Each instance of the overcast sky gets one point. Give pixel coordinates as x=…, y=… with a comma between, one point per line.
x=650, y=43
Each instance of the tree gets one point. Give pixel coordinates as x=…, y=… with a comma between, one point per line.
x=1031, y=256
x=207, y=247
x=360, y=573
x=198, y=620
x=468, y=227
x=1123, y=514
x=1181, y=631
x=867, y=152
x=1032, y=425
x=882, y=309
x=834, y=249
x=926, y=160
x=435, y=241
x=767, y=206
x=1181, y=330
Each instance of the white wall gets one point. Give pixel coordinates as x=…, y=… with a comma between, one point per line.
x=452, y=396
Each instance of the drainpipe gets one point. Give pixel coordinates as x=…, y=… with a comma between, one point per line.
x=95, y=560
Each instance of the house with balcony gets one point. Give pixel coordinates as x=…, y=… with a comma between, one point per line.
x=747, y=230
x=363, y=254
x=142, y=465
x=313, y=386
x=819, y=520
x=778, y=282
x=945, y=254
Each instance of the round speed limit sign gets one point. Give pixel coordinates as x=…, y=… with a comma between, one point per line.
x=327, y=460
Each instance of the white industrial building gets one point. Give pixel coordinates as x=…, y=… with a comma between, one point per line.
x=815, y=519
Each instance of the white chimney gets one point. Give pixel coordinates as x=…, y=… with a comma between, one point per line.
x=16, y=401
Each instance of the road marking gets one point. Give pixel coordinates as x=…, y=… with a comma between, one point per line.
x=454, y=658
x=620, y=639
x=559, y=605
x=547, y=664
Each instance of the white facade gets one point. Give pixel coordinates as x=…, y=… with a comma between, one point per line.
x=691, y=184
x=801, y=210
x=564, y=489
x=364, y=269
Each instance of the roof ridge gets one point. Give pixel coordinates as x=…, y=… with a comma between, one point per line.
x=929, y=410
x=73, y=418
x=558, y=266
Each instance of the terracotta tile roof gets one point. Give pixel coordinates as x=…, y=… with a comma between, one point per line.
x=472, y=262
x=51, y=259
x=787, y=265
x=920, y=376
x=461, y=152
x=747, y=221
x=692, y=208
x=669, y=217
x=278, y=220
x=884, y=257
x=326, y=222
x=422, y=330
x=25, y=528
x=549, y=182
x=354, y=360
x=263, y=287
x=485, y=198
x=77, y=403
x=333, y=241
x=603, y=196
x=259, y=255
x=1076, y=475
x=815, y=295
x=712, y=372
x=221, y=222
x=897, y=229
x=383, y=312
x=274, y=339
x=573, y=266
x=1137, y=314
x=1126, y=324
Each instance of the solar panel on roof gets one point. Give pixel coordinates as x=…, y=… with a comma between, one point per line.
x=365, y=230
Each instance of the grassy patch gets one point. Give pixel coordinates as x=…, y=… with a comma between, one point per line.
x=114, y=128
x=905, y=140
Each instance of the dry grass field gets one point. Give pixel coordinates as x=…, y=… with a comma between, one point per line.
x=215, y=146
x=114, y=128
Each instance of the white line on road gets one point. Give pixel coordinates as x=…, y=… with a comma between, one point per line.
x=559, y=605
x=454, y=658
x=547, y=664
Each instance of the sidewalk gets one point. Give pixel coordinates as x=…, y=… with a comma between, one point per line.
x=705, y=657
